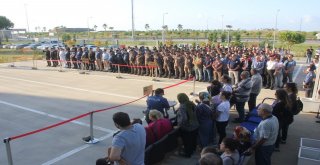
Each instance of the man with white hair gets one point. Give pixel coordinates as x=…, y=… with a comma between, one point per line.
x=266, y=135
x=242, y=95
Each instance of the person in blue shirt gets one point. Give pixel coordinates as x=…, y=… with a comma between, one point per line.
x=157, y=102
x=308, y=82
x=288, y=69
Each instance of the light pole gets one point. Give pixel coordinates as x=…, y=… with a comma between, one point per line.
x=132, y=18
x=88, y=28
x=163, y=38
x=229, y=27
x=274, y=32
x=222, y=22
x=25, y=8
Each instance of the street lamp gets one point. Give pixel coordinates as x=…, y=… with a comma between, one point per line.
x=163, y=27
x=229, y=27
x=132, y=18
x=25, y=8
x=274, y=31
x=88, y=27
x=222, y=23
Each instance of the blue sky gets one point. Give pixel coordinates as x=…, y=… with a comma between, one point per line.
x=192, y=14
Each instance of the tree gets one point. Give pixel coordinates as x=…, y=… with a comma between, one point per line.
x=147, y=27
x=213, y=37
x=66, y=37
x=105, y=27
x=180, y=27
x=223, y=37
x=5, y=23
x=95, y=27
x=291, y=38
x=237, y=36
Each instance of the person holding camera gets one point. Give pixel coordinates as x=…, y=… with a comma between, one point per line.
x=128, y=145
x=241, y=95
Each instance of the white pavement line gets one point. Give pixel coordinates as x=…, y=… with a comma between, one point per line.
x=297, y=73
x=54, y=116
x=76, y=150
x=157, y=82
x=68, y=87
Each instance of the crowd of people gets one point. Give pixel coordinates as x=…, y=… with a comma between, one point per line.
x=204, y=63
x=237, y=76
x=202, y=121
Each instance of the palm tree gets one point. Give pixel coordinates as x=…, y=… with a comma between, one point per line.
x=165, y=27
x=147, y=27
x=105, y=27
x=95, y=27
x=180, y=27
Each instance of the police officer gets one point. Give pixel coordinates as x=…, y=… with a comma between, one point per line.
x=47, y=54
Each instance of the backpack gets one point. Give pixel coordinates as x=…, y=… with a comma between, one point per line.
x=299, y=106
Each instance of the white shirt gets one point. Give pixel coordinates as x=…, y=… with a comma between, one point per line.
x=271, y=65
x=223, y=108
x=227, y=88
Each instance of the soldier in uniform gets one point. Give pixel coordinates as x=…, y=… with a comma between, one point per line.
x=132, y=59
x=166, y=65
x=147, y=59
x=159, y=63
x=178, y=65
x=187, y=65
x=139, y=63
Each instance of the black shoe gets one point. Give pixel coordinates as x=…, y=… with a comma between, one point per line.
x=283, y=142
x=276, y=149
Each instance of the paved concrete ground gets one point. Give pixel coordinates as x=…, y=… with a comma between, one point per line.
x=33, y=99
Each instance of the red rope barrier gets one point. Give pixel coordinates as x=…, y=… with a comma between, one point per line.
x=86, y=114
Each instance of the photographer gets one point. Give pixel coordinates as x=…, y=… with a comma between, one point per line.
x=241, y=95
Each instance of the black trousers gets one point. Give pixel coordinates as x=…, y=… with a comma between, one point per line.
x=189, y=139
x=221, y=129
x=252, y=101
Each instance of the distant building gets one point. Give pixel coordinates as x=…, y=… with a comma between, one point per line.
x=71, y=30
x=13, y=33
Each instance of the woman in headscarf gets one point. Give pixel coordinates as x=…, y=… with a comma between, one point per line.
x=204, y=116
x=188, y=123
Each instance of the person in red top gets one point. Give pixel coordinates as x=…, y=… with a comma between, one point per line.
x=158, y=128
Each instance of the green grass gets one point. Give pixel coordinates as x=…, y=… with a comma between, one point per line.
x=12, y=55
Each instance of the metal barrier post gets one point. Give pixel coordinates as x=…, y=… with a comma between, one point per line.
x=12, y=62
x=193, y=93
x=90, y=139
x=8, y=148
x=119, y=75
x=34, y=62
